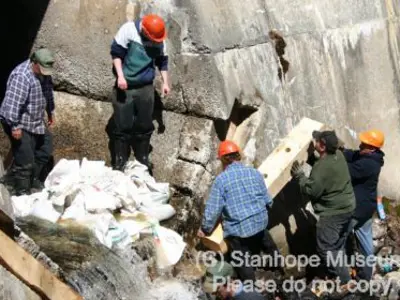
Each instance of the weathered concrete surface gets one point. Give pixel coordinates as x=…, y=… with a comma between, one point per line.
x=343, y=70
x=11, y=288
x=84, y=28
x=343, y=62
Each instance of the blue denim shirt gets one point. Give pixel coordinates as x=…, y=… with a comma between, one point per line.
x=240, y=196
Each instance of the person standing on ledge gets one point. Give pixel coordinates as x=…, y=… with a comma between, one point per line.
x=240, y=198
x=137, y=49
x=28, y=96
x=365, y=167
x=331, y=194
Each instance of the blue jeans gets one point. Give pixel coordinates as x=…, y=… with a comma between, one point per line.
x=363, y=233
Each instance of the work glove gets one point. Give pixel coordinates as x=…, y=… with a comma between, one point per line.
x=296, y=170
x=311, y=159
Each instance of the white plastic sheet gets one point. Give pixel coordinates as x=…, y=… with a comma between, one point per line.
x=169, y=246
x=161, y=213
x=62, y=180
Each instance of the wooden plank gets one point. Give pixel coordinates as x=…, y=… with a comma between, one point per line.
x=276, y=169
x=32, y=273
x=6, y=209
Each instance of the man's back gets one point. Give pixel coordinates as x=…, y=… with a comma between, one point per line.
x=365, y=170
x=329, y=186
x=245, y=199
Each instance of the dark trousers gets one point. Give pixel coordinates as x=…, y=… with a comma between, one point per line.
x=253, y=245
x=132, y=124
x=31, y=153
x=332, y=233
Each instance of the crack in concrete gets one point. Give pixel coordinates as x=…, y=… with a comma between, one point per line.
x=191, y=161
x=206, y=51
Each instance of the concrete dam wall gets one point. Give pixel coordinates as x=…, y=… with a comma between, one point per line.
x=259, y=65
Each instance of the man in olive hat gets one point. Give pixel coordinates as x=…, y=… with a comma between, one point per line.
x=221, y=281
x=332, y=197
x=28, y=96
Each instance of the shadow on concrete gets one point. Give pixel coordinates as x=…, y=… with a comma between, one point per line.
x=20, y=22
x=238, y=115
x=301, y=239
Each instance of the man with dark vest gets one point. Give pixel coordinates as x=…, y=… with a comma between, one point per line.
x=365, y=166
x=137, y=49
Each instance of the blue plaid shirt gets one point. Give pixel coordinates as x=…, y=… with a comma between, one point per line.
x=240, y=195
x=26, y=100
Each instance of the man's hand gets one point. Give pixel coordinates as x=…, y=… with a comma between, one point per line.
x=296, y=169
x=122, y=84
x=200, y=233
x=165, y=89
x=311, y=149
x=50, y=122
x=17, y=133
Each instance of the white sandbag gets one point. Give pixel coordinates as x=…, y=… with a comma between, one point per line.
x=154, y=199
x=76, y=211
x=91, y=169
x=135, y=169
x=161, y=212
x=63, y=180
x=99, y=224
x=127, y=192
x=44, y=209
x=134, y=223
x=24, y=204
x=118, y=235
x=169, y=246
x=161, y=187
x=120, y=186
x=64, y=174
x=97, y=201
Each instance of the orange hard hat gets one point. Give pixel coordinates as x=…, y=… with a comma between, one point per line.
x=227, y=147
x=153, y=27
x=373, y=137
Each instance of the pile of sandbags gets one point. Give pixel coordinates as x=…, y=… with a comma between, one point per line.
x=116, y=206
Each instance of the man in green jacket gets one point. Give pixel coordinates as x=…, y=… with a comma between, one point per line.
x=331, y=193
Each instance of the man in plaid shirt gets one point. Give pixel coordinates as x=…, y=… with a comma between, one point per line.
x=240, y=197
x=28, y=96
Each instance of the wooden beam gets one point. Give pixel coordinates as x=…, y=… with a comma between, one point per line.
x=6, y=209
x=32, y=273
x=276, y=169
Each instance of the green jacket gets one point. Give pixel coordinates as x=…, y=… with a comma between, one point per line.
x=329, y=186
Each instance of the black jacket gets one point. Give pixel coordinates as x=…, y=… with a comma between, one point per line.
x=364, y=171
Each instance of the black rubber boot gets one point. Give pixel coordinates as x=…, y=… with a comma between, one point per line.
x=36, y=184
x=141, y=148
x=8, y=179
x=22, y=178
x=122, y=152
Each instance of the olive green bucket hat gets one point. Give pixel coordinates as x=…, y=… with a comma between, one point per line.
x=44, y=57
x=215, y=274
